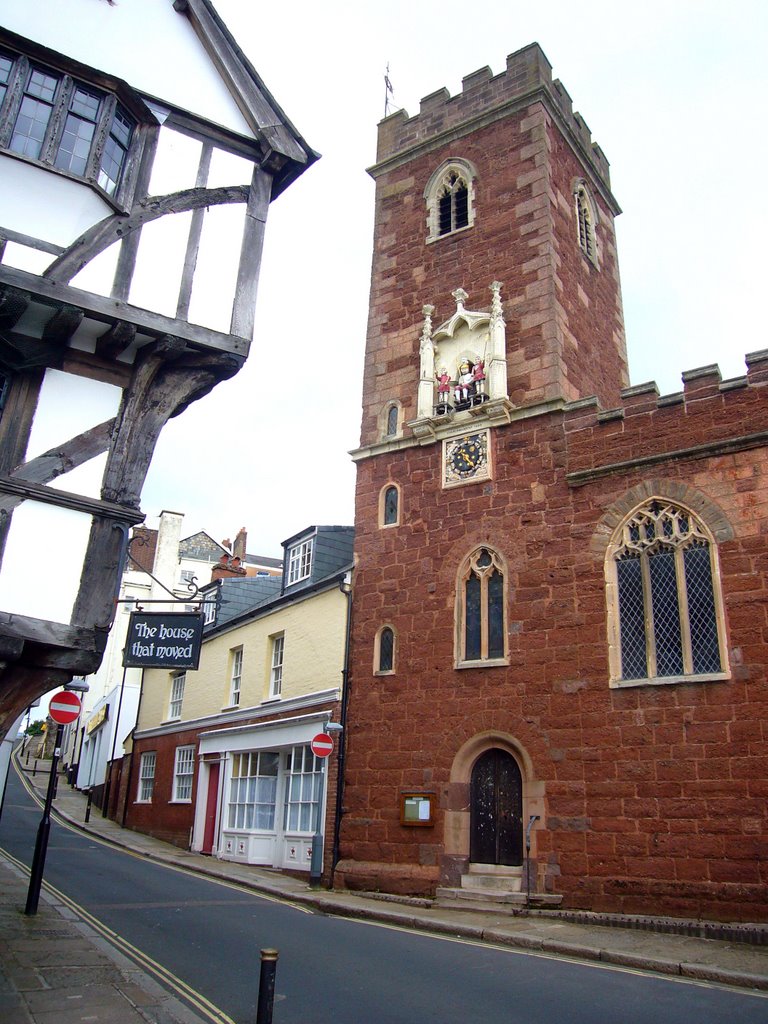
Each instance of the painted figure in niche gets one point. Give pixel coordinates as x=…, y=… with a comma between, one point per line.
x=443, y=385
x=478, y=377
x=465, y=387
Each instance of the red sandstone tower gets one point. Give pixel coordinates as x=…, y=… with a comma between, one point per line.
x=539, y=618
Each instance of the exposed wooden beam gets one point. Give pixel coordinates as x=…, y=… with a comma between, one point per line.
x=62, y=325
x=109, y=311
x=13, y=305
x=67, y=499
x=116, y=340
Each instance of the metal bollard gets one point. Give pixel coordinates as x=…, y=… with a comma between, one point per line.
x=88, y=806
x=266, y=986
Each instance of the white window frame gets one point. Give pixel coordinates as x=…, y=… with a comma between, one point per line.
x=176, y=700
x=304, y=773
x=253, y=788
x=183, y=773
x=276, y=665
x=300, y=561
x=235, y=676
x=147, y=767
x=209, y=607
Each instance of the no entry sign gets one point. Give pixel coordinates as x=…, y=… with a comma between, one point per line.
x=64, y=707
x=322, y=744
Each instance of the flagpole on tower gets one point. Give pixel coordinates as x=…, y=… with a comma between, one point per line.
x=388, y=91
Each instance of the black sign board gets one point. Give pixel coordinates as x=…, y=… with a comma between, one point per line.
x=163, y=640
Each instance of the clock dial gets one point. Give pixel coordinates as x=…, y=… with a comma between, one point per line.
x=466, y=457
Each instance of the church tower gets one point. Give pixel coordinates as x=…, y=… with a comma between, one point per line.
x=499, y=193
x=495, y=302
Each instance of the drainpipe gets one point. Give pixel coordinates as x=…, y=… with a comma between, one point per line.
x=346, y=588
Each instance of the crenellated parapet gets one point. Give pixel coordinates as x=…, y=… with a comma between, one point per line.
x=483, y=98
x=710, y=417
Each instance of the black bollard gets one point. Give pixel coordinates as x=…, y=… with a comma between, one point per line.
x=88, y=806
x=266, y=986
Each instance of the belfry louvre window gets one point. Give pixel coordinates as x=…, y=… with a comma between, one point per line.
x=481, y=619
x=452, y=205
x=586, y=217
x=52, y=118
x=669, y=610
x=449, y=196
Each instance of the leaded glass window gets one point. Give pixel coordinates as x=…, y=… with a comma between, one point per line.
x=392, y=421
x=585, y=218
x=666, y=578
x=481, y=612
x=452, y=205
x=386, y=650
x=390, y=506
x=66, y=124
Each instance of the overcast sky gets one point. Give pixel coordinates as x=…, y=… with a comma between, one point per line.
x=674, y=93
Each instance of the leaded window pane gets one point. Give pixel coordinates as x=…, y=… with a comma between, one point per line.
x=392, y=421
x=444, y=214
x=461, y=197
x=666, y=613
x=386, y=650
x=634, y=664
x=496, y=615
x=705, y=648
x=34, y=114
x=390, y=506
x=472, y=643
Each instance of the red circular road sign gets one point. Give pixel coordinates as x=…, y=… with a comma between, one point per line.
x=64, y=707
x=322, y=744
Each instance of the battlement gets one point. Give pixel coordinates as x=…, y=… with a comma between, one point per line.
x=527, y=74
x=709, y=416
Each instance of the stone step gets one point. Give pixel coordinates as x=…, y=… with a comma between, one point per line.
x=498, y=900
x=500, y=877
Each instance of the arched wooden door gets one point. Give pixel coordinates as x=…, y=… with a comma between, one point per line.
x=496, y=810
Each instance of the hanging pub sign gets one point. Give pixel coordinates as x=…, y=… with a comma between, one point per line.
x=163, y=640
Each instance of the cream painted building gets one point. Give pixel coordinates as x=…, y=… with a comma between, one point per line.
x=222, y=760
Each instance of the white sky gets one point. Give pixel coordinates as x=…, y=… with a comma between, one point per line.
x=674, y=93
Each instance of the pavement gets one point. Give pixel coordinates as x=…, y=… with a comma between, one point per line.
x=58, y=969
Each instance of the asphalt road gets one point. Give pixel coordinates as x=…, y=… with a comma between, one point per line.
x=345, y=972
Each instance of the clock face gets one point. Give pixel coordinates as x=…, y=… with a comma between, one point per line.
x=466, y=458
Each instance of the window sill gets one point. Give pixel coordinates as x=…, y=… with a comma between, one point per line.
x=272, y=700
x=231, y=707
x=449, y=234
x=485, y=663
x=705, y=677
x=187, y=802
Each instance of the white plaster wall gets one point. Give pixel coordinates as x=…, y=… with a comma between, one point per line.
x=144, y=42
x=47, y=206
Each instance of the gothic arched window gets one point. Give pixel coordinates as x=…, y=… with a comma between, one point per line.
x=450, y=198
x=392, y=416
x=390, y=506
x=665, y=607
x=385, y=650
x=481, y=632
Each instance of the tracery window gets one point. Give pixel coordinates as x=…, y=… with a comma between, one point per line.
x=586, y=218
x=450, y=198
x=481, y=615
x=667, y=619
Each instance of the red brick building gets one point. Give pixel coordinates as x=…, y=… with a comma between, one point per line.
x=559, y=620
